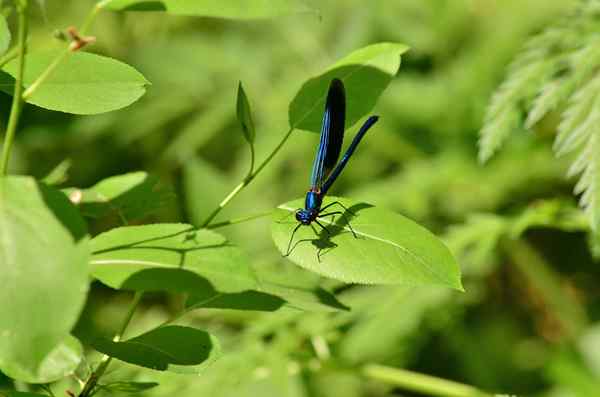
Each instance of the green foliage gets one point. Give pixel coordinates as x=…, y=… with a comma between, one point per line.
x=366, y=73
x=128, y=387
x=24, y=394
x=83, y=84
x=525, y=251
x=130, y=196
x=232, y=9
x=244, y=115
x=168, y=348
x=556, y=72
x=169, y=257
x=388, y=248
x=4, y=35
x=43, y=262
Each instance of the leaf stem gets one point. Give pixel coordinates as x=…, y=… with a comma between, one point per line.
x=10, y=55
x=252, y=155
x=238, y=220
x=17, y=102
x=92, y=381
x=421, y=383
x=64, y=54
x=246, y=180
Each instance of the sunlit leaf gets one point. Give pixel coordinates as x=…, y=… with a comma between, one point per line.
x=83, y=83
x=388, y=248
x=235, y=9
x=62, y=361
x=174, y=348
x=4, y=35
x=365, y=72
x=169, y=257
x=44, y=279
x=130, y=196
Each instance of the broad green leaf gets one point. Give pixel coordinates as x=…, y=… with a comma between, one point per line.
x=388, y=248
x=169, y=257
x=366, y=73
x=44, y=277
x=62, y=361
x=244, y=115
x=24, y=394
x=128, y=387
x=130, y=196
x=268, y=297
x=174, y=348
x=235, y=9
x=83, y=83
x=4, y=35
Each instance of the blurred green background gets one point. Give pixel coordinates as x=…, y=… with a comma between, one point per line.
x=527, y=322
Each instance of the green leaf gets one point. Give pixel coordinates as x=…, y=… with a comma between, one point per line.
x=174, y=348
x=58, y=174
x=24, y=394
x=269, y=297
x=131, y=196
x=210, y=8
x=244, y=115
x=83, y=83
x=169, y=257
x=388, y=248
x=128, y=387
x=4, y=35
x=44, y=277
x=366, y=73
x=62, y=361
x=579, y=133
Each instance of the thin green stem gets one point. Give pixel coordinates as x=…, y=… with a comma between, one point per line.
x=246, y=180
x=91, y=383
x=252, y=155
x=421, y=383
x=238, y=220
x=17, y=102
x=10, y=55
x=45, y=74
x=60, y=58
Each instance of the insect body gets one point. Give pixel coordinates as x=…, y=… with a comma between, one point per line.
x=326, y=168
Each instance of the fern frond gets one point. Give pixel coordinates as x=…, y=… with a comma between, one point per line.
x=579, y=133
x=535, y=67
x=559, y=68
x=505, y=111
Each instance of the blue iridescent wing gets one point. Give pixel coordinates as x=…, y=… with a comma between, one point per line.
x=332, y=134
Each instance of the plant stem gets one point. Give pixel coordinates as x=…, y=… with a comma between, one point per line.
x=64, y=54
x=252, y=156
x=421, y=383
x=17, y=102
x=10, y=55
x=246, y=180
x=92, y=381
x=238, y=220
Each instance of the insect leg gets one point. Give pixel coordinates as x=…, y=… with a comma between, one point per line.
x=291, y=239
x=341, y=205
x=345, y=220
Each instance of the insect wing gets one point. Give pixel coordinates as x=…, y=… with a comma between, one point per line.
x=332, y=134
